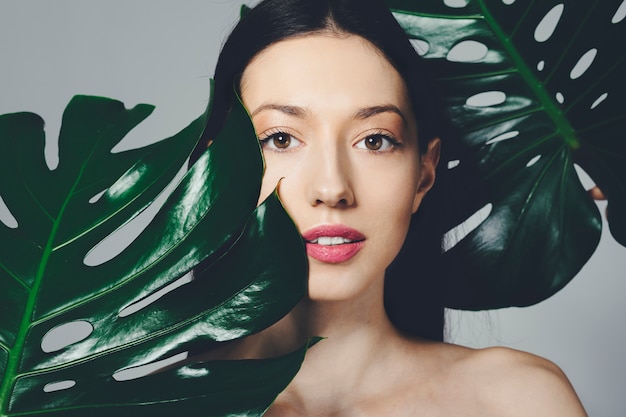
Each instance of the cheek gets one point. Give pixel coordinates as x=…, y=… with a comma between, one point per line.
x=389, y=201
x=276, y=172
x=267, y=187
x=391, y=188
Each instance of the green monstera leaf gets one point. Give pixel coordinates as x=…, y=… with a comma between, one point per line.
x=78, y=338
x=533, y=87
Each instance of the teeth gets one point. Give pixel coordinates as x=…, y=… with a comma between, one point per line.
x=331, y=241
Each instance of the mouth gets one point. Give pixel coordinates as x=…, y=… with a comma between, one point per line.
x=333, y=243
x=331, y=240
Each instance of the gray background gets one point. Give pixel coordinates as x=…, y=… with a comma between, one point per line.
x=163, y=52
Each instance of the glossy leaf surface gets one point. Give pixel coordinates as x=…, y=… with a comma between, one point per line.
x=69, y=331
x=533, y=88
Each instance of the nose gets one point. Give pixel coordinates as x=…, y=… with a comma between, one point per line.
x=330, y=178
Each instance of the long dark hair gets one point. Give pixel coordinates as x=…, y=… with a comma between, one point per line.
x=413, y=290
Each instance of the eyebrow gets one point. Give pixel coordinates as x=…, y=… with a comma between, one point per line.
x=301, y=112
x=374, y=110
x=296, y=111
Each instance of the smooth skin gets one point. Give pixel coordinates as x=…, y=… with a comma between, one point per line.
x=336, y=125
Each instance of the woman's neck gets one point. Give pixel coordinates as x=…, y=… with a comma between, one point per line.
x=358, y=334
x=340, y=321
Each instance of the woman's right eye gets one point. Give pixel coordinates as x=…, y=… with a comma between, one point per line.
x=279, y=141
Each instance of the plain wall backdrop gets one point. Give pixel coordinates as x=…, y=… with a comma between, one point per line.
x=163, y=53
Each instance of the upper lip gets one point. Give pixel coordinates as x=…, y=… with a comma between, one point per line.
x=333, y=230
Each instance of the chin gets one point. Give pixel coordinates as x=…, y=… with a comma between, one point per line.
x=333, y=285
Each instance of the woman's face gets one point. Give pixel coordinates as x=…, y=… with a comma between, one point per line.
x=336, y=125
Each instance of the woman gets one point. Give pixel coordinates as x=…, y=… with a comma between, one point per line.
x=348, y=120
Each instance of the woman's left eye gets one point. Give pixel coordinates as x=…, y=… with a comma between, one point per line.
x=279, y=141
x=377, y=142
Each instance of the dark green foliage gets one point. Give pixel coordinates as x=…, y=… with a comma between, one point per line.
x=211, y=217
x=543, y=227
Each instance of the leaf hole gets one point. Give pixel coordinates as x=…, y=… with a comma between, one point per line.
x=584, y=178
x=583, y=63
x=541, y=65
x=452, y=237
x=505, y=136
x=6, y=217
x=52, y=131
x=548, y=24
x=599, y=100
x=456, y=4
x=97, y=197
x=467, y=51
x=143, y=303
x=136, y=372
x=486, y=99
x=59, y=386
x=453, y=164
x=508, y=2
x=620, y=13
x=533, y=161
x=65, y=335
x=560, y=98
x=421, y=46
x=115, y=243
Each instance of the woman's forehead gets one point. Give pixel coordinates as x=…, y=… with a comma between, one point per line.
x=340, y=70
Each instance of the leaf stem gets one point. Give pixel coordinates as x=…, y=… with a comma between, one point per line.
x=15, y=353
x=547, y=103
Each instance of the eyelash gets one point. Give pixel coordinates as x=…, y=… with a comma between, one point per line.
x=265, y=139
x=393, y=143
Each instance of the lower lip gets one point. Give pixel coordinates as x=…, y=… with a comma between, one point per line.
x=333, y=254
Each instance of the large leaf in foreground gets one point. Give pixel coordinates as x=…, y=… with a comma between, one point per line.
x=69, y=332
x=533, y=87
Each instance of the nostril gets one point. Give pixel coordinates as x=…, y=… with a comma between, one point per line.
x=330, y=190
x=332, y=202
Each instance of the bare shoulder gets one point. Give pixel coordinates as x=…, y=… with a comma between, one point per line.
x=512, y=383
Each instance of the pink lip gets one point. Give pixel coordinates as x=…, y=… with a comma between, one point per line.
x=336, y=253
